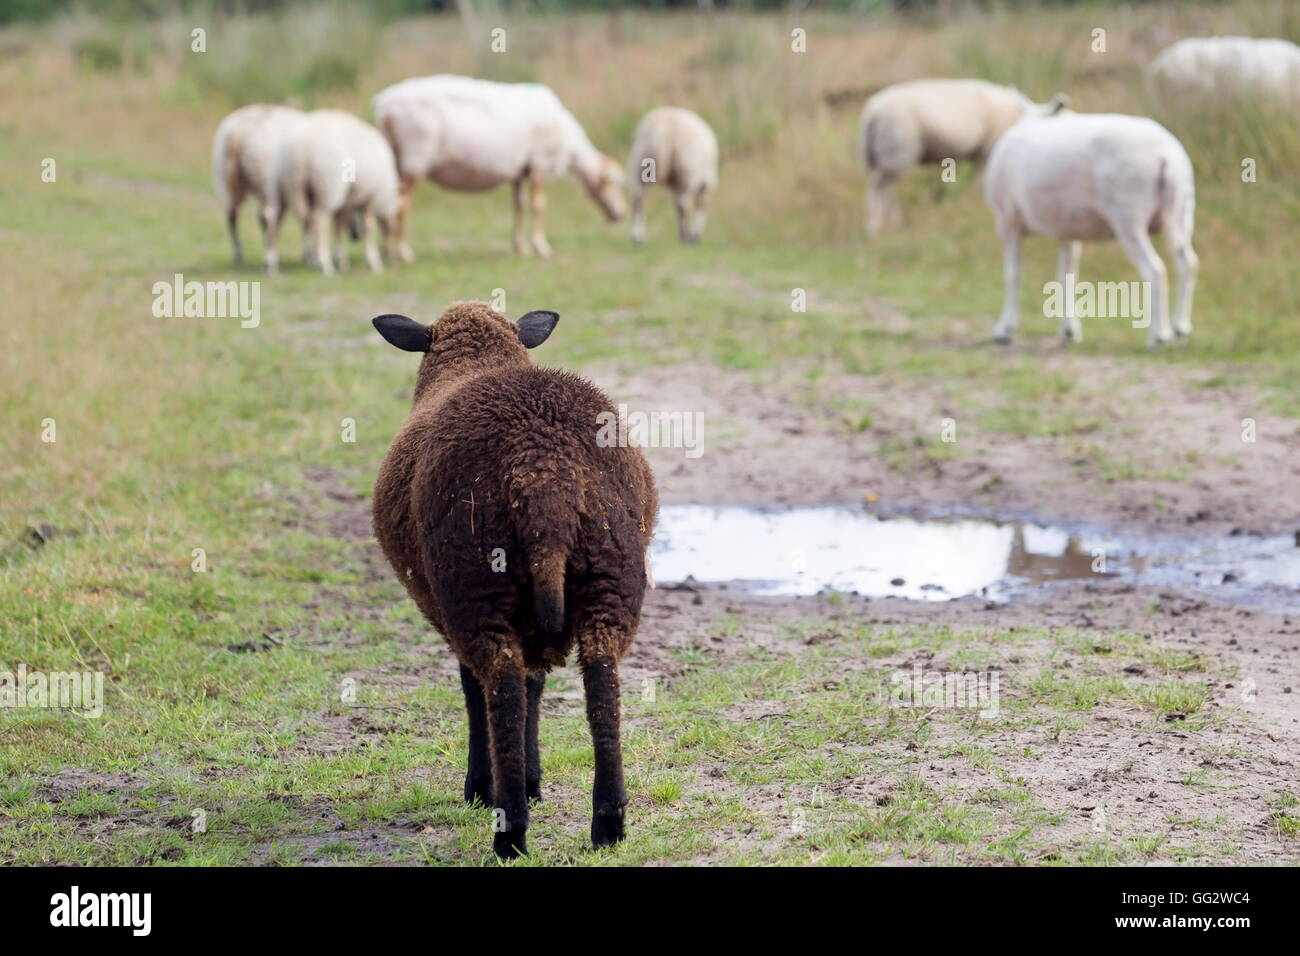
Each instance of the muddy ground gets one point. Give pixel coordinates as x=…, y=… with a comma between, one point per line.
x=770, y=442
x=766, y=445
x=765, y=448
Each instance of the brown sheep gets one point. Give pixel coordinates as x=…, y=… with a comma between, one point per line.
x=518, y=535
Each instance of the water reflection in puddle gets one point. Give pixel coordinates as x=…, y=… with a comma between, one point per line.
x=807, y=550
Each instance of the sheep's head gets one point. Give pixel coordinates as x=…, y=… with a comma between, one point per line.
x=1056, y=104
x=1028, y=108
x=469, y=337
x=604, y=184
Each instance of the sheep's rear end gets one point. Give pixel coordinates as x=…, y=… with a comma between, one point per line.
x=521, y=538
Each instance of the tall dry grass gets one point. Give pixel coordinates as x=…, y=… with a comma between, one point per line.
x=766, y=102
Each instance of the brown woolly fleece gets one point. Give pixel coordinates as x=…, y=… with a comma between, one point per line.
x=518, y=536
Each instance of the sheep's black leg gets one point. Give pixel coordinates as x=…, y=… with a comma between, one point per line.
x=533, y=755
x=600, y=676
x=507, y=707
x=478, y=778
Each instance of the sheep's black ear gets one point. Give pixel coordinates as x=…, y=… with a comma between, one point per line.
x=407, y=334
x=535, y=327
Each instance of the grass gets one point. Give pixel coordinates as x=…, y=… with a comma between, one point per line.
x=183, y=434
x=272, y=789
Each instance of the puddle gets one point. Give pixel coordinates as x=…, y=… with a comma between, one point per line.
x=799, y=551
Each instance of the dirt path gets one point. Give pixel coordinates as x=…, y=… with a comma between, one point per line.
x=1160, y=452
x=1115, y=774
x=764, y=449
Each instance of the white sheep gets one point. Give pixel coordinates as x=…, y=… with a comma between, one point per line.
x=1228, y=66
x=243, y=162
x=930, y=121
x=675, y=147
x=1095, y=176
x=469, y=134
x=335, y=171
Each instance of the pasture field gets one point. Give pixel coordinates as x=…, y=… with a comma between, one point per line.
x=1124, y=735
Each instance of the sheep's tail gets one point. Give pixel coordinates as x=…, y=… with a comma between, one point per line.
x=225, y=163
x=1176, y=203
x=546, y=565
x=384, y=120
x=546, y=507
x=1165, y=199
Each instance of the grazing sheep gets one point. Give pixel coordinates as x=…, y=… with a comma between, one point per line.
x=243, y=162
x=1095, y=176
x=468, y=134
x=928, y=121
x=518, y=535
x=1228, y=66
x=334, y=169
x=683, y=155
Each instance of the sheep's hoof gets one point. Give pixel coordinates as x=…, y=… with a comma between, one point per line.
x=543, y=249
x=607, y=830
x=1002, y=338
x=534, y=791
x=406, y=253
x=480, y=790
x=510, y=844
